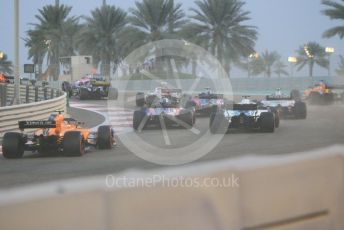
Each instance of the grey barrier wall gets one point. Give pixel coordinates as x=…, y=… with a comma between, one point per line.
x=251, y=86
x=239, y=85
x=295, y=192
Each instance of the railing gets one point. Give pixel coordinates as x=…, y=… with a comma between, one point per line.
x=37, y=103
x=28, y=93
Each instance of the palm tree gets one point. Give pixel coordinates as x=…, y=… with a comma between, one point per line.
x=279, y=68
x=310, y=54
x=268, y=59
x=157, y=19
x=340, y=68
x=253, y=65
x=334, y=12
x=37, y=48
x=153, y=20
x=56, y=28
x=218, y=24
x=101, y=36
x=6, y=66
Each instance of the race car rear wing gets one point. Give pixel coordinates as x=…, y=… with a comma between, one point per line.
x=277, y=98
x=336, y=87
x=36, y=124
x=170, y=91
x=210, y=96
x=100, y=83
x=245, y=106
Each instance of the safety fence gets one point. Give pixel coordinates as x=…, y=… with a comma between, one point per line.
x=40, y=104
x=27, y=94
x=294, y=192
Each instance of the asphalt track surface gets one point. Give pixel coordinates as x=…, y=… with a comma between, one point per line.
x=323, y=127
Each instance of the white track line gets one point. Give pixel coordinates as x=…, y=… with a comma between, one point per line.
x=119, y=118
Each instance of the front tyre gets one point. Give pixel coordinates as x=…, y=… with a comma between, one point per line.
x=140, y=99
x=12, y=145
x=105, y=137
x=138, y=118
x=267, y=122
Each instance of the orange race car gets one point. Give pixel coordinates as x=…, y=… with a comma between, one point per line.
x=56, y=135
x=3, y=78
x=320, y=94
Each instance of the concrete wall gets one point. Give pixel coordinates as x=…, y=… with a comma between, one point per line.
x=294, y=192
x=239, y=85
x=10, y=115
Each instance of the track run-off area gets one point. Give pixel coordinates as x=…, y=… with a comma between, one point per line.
x=323, y=127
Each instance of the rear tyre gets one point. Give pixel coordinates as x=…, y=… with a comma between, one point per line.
x=83, y=94
x=295, y=95
x=187, y=118
x=138, y=118
x=267, y=122
x=218, y=123
x=190, y=104
x=113, y=94
x=140, y=99
x=97, y=94
x=185, y=101
x=105, y=137
x=328, y=98
x=300, y=110
x=12, y=145
x=277, y=118
x=73, y=144
x=213, y=109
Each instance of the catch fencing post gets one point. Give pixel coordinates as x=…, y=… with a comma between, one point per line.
x=3, y=95
x=27, y=94
x=36, y=93
x=51, y=93
x=45, y=91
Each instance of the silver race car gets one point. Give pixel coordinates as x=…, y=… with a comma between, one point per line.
x=288, y=106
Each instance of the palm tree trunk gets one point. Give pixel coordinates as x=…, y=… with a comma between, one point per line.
x=194, y=66
x=56, y=65
x=170, y=67
x=220, y=54
x=105, y=67
x=227, y=67
x=311, y=65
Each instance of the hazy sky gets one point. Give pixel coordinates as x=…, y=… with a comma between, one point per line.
x=283, y=25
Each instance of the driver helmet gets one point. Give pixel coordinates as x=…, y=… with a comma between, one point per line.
x=52, y=117
x=165, y=100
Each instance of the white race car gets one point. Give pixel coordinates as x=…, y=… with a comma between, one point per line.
x=159, y=92
x=287, y=105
